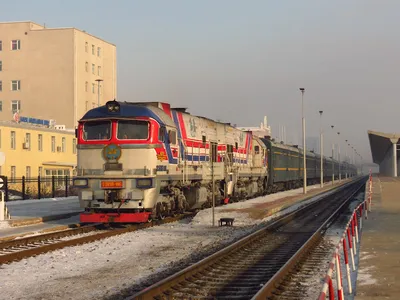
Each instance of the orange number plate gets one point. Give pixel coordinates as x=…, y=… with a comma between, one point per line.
x=112, y=185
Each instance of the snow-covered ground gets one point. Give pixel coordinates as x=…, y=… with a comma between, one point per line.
x=109, y=266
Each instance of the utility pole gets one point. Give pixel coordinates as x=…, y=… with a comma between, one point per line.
x=213, y=185
x=345, y=158
x=333, y=165
x=340, y=174
x=321, y=148
x=304, y=143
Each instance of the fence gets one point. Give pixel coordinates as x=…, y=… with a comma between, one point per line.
x=38, y=187
x=350, y=244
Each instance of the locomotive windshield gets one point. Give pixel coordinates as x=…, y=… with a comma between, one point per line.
x=97, y=130
x=133, y=130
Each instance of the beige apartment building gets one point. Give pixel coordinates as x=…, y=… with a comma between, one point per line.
x=53, y=74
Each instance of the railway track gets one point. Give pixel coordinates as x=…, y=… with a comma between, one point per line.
x=254, y=266
x=17, y=249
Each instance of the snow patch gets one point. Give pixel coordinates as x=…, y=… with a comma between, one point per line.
x=364, y=277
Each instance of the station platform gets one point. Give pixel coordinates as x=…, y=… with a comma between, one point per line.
x=379, y=265
x=40, y=214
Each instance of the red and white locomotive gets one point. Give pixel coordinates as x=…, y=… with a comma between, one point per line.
x=141, y=161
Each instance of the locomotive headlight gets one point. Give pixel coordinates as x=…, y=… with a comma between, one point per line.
x=144, y=183
x=112, y=106
x=80, y=182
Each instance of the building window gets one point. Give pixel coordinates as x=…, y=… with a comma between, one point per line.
x=1, y=45
x=86, y=46
x=86, y=86
x=73, y=146
x=40, y=171
x=28, y=141
x=93, y=49
x=1, y=105
x=40, y=142
x=1, y=65
x=53, y=144
x=12, y=139
x=13, y=173
x=98, y=71
x=98, y=51
x=93, y=88
x=1, y=85
x=93, y=67
x=15, y=45
x=63, y=144
x=86, y=66
x=15, y=85
x=15, y=106
x=28, y=172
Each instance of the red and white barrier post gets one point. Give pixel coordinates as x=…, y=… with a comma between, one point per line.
x=351, y=248
x=354, y=237
x=346, y=261
x=355, y=225
x=339, y=277
x=328, y=284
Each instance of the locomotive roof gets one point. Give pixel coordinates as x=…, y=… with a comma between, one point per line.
x=130, y=110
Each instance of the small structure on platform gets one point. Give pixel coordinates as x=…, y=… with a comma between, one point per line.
x=227, y=221
x=264, y=131
x=384, y=147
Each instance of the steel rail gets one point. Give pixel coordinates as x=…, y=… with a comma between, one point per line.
x=268, y=289
x=27, y=242
x=167, y=283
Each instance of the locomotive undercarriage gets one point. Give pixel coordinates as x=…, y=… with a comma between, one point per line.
x=178, y=197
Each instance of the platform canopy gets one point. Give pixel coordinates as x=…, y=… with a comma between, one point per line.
x=380, y=143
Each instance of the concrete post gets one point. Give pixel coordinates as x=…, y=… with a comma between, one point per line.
x=394, y=141
x=395, y=159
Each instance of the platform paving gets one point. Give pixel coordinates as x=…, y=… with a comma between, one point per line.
x=379, y=267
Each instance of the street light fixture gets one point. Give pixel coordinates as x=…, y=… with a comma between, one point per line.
x=98, y=91
x=304, y=143
x=321, y=147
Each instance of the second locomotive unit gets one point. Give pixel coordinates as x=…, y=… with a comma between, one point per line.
x=141, y=161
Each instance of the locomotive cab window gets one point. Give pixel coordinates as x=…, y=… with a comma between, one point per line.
x=161, y=134
x=133, y=130
x=172, y=137
x=97, y=130
x=256, y=149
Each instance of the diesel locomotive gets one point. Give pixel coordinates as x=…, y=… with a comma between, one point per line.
x=142, y=161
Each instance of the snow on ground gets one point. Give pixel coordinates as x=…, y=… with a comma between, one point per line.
x=106, y=267
x=244, y=212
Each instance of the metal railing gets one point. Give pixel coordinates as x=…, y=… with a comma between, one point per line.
x=24, y=188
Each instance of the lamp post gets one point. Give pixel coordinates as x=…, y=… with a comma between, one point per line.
x=340, y=174
x=98, y=91
x=333, y=166
x=321, y=147
x=304, y=143
x=345, y=158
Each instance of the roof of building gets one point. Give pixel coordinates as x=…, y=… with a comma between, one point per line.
x=44, y=27
x=27, y=126
x=380, y=143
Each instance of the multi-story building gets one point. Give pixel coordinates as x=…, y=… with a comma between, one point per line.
x=53, y=73
x=32, y=150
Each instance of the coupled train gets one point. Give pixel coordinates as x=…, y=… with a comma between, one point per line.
x=141, y=161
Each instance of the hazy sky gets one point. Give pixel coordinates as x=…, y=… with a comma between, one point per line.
x=240, y=60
